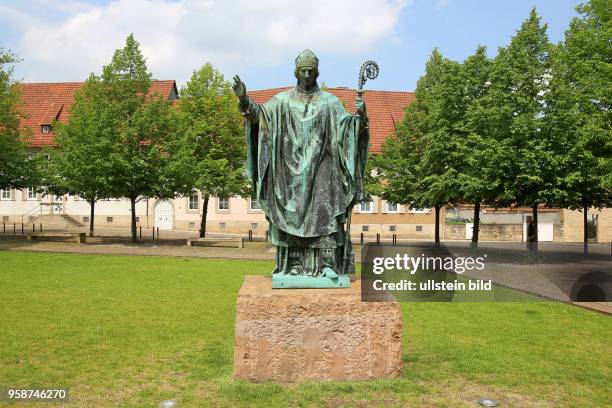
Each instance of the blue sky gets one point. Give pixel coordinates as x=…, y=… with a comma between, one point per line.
x=66, y=40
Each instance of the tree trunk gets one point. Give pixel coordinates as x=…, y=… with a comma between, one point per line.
x=535, y=222
x=204, y=214
x=437, y=229
x=585, y=226
x=532, y=234
x=133, y=204
x=476, y=227
x=92, y=205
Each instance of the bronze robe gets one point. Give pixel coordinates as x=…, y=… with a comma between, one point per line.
x=306, y=156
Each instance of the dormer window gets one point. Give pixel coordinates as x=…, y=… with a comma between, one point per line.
x=46, y=128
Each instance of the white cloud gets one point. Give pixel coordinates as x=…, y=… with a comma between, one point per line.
x=177, y=37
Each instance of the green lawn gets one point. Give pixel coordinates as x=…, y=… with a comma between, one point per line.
x=132, y=331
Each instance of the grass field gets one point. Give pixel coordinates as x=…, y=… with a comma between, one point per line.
x=133, y=331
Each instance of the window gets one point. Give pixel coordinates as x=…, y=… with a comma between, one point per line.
x=194, y=202
x=391, y=207
x=392, y=228
x=365, y=207
x=46, y=128
x=221, y=225
x=137, y=219
x=192, y=225
x=5, y=194
x=46, y=156
x=31, y=193
x=253, y=225
x=416, y=210
x=5, y=218
x=365, y=228
x=85, y=219
x=419, y=228
x=31, y=218
x=109, y=219
x=253, y=204
x=222, y=204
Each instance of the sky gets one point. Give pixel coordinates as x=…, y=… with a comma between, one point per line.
x=66, y=40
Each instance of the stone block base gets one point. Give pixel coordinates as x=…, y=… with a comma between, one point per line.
x=292, y=335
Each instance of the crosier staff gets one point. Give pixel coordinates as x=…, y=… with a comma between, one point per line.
x=368, y=70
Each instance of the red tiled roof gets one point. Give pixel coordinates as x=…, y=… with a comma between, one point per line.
x=45, y=102
x=385, y=108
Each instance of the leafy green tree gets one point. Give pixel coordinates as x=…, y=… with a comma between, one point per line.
x=140, y=128
x=515, y=106
x=418, y=167
x=212, y=129
x=479, y=178
x=80, y=164
x=15, y=164
x=580, y=112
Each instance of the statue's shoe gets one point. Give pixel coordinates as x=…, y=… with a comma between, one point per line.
x=329, y=273
x=295, y=270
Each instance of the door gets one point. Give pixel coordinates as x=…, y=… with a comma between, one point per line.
x=469, y=230
x=57, y=206
x=591, y=226
x=164, y=215
x=545, y=231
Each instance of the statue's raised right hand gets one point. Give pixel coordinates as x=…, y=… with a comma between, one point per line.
x=239, y=88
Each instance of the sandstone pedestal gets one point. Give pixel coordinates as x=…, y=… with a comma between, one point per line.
x=291, y=335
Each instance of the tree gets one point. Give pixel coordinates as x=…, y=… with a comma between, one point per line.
x=140, y=128
x=480, y=178
x=515, y=106
x=15, y=164
x=212, y=129
x=81, y=165
x=581, y=110
x=418, y=167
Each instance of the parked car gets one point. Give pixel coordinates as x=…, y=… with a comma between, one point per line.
x=458, y=219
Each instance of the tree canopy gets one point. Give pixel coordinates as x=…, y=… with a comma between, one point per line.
x=16, y=167
x=213, y=134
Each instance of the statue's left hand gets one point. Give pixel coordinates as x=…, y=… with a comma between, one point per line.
x=360, y=106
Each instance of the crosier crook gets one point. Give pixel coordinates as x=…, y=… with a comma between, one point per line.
x=368, y=70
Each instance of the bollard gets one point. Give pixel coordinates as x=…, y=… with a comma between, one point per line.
x=14, y=229
x=361, y=239
x=158, y=233
x=4, y=228
x=21, y=228
x=33, y=227
x=140, y=232
x=377, y=239
x=267, y=235
x=394, y=240
x=40, y=227
x=250, y=235
x=153, y=230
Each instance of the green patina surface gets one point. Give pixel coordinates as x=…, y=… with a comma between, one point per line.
x=306, y=156
x=281, y=281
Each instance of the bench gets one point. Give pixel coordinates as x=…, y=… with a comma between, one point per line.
x=216, y=242
x=78, y=237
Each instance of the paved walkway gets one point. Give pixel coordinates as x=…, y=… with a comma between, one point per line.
x=163, y=248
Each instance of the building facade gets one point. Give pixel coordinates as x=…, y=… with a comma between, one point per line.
x=46, y=102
